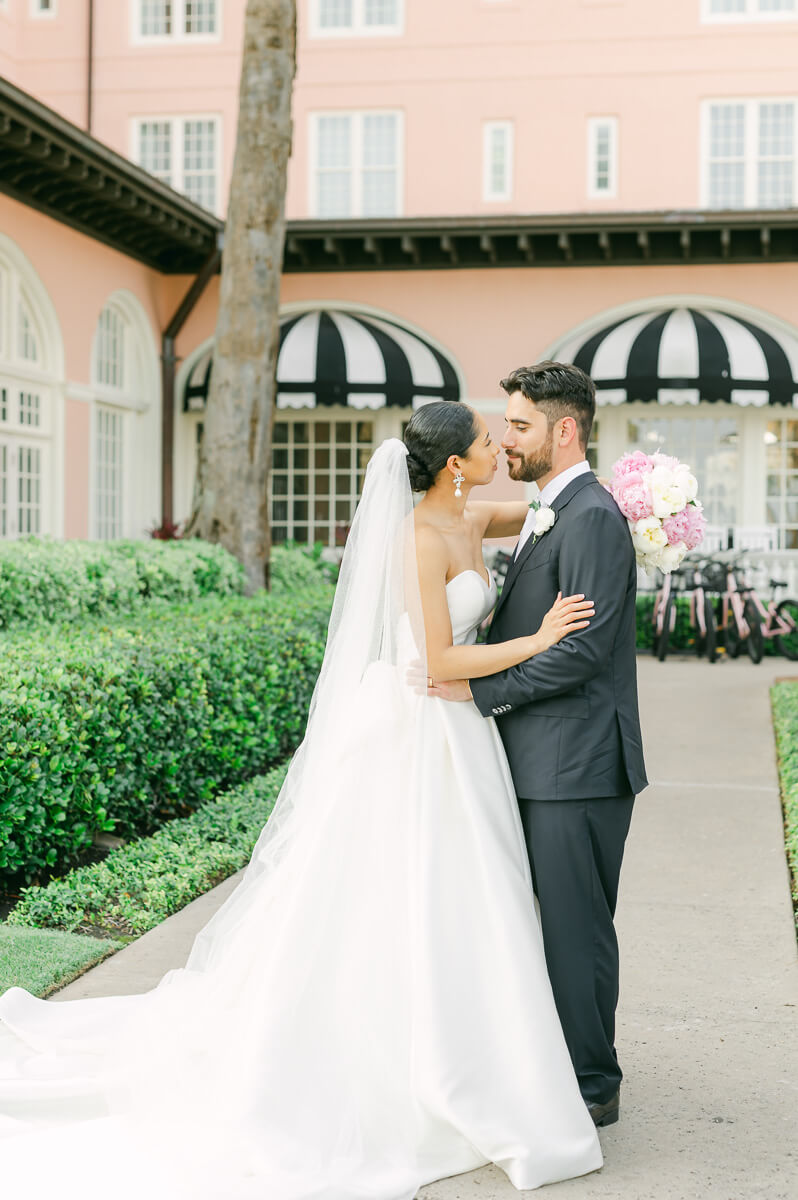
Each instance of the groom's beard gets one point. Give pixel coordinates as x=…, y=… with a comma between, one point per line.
x=530, y=467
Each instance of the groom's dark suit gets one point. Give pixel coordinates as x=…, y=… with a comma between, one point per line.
x=569, y=722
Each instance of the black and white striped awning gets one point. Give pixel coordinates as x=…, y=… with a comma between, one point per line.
x=686, y=356
x=328, y=357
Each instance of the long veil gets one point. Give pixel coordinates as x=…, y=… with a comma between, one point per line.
x=304, y=964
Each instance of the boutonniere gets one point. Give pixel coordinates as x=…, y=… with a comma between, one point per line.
x=544, y=519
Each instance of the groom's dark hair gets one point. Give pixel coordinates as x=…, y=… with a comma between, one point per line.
x=560, y=390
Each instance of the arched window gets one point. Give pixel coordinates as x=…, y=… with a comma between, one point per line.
x=123, y=491
x=346, y=379
x=31, y=364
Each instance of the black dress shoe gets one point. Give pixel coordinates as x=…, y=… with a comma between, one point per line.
x=606, y=1114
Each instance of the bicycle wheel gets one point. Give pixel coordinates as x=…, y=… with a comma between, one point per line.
x=787, y=643
x=731, y=635
x=711, y=639
x=664, y=637
x=755, y=642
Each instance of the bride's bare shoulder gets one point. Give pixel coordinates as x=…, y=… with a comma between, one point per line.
x=431, y=548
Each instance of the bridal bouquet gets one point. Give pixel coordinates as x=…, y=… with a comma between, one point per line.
x=657, y=495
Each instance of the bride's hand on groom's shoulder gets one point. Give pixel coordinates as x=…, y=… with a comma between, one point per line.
x=566, y=615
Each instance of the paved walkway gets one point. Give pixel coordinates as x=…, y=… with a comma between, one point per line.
x=708, y=1022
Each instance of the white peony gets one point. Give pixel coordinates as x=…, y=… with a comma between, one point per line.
x=686, y=481
x=648, y=536
x=669, y=557
x=668, y=496
x=544, y=519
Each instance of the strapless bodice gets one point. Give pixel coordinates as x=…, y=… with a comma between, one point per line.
x=470, y=599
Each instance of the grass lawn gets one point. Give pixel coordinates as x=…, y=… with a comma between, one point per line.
x=784, y=697
x=43, y=960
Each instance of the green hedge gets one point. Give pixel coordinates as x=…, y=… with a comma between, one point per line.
x=45, y=580
x=784, y=698
x=140, y=885
x=123, y=727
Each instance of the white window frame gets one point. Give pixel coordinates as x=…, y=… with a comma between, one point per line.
x=594, y=124
x=356, y=169
x=177, y=167
x=178, y=33
x=358, y=28
x=489, y=195
x=750, y=159
x=384, y=424
x=42, y=14
x=751, y=13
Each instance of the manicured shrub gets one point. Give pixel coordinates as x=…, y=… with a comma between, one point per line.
x=140, y=885
x=43, y=580
x=784, y=698
x=122, y=727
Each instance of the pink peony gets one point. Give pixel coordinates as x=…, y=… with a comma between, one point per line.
x=658, y=459
x=635, y=461
x=632, y=495
x=687, y=526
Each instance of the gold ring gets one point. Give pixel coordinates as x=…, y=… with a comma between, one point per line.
x=429, y=681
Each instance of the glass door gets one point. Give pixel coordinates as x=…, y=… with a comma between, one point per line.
x=710, y=445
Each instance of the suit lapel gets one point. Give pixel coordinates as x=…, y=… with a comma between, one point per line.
x=532, y=542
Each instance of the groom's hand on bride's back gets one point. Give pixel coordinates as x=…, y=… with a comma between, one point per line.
x=420, y=682
x=453, y=689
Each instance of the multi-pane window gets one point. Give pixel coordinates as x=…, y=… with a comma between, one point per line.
x=602, y=156
x=497, y=160
x=200, y=16
x=356, y=164
x=748, y=10
x=109, y=362
x=25, y=410
x=29, y=489
x=199, y=161
x=155, y=149
x=318, y=467
x=28, y=346
x=155, y=18
x=21, y=482
x=183, y=152
x=751, y=148
x=710, y=445
x=177, y=18
x=30, y=409
x=108, y=481
x=781, y=442
x=362, y=17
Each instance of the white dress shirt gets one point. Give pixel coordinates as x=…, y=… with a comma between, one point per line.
x=547, y=497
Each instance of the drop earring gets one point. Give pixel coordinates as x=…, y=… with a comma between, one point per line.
x=458, y=479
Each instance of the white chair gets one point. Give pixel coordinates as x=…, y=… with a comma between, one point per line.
x=763, y=538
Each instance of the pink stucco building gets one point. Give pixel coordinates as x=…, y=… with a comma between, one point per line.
x=475, y=184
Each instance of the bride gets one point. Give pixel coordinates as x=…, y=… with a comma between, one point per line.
x=369, y=1011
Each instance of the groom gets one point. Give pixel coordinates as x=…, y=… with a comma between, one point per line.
x=568, y=717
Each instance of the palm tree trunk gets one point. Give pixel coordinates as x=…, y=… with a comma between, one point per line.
x=231, y=504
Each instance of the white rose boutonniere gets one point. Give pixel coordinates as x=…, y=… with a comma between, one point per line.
x=544, y=519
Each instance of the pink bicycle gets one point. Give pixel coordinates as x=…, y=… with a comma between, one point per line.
x=747, y=621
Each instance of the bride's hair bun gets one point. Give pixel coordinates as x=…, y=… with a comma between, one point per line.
x=420, y=477
x=433, y=434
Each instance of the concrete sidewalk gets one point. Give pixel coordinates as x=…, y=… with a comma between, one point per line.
x=708, y=1020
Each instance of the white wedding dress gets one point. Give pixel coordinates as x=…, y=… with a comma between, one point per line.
x=370, y=1013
